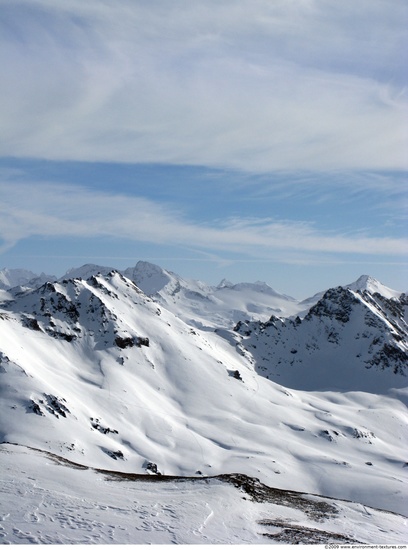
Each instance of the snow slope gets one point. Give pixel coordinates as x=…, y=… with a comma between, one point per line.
x=51, y=501
x=99, y=373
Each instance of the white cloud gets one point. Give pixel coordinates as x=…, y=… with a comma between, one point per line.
x=53, y=210
x=252, y=85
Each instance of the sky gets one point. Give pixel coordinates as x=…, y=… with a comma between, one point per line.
x=251, y=140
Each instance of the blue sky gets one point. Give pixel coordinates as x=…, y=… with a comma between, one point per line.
x=251, y=140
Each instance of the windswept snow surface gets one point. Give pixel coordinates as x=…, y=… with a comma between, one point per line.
x=96, y=371
x=48, y=501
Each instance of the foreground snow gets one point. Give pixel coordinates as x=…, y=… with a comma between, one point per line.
x=49, y=501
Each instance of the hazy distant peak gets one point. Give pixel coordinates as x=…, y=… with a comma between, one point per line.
x=148, y=267
x=260, y=286
x=225, y=284
x=149, y=277
x=86, y=271
x=257, y=286
x=10, y=278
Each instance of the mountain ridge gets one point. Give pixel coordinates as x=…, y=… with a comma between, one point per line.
x=204, y=305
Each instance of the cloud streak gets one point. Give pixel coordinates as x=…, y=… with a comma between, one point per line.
x=50, y=210
x=251, y=85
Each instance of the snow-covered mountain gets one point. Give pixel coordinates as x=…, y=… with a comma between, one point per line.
x=371, y=285
x=350, y=340
x=94, y=370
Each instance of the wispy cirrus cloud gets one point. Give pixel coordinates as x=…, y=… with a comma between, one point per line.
x=49, y=210
x=251, y=85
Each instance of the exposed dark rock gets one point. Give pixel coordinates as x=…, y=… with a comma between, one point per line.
x=124, y=342
x=63, y=335
x=31, y=323
x=390, y=356
x=336, y=303
x=316, y=510
x=299, y=534
x=95, y=423
x=114, y=454
x=363, y=434
x=55, y=405
x=152, y=467
x=35, y=408
x=142, y=341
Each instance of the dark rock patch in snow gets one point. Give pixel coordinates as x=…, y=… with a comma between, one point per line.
x=114, y=454
x=298, y=534
x=124, y=342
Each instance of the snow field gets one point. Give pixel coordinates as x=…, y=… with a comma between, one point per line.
x=46, y=502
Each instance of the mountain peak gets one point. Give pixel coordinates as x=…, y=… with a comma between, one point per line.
x=149, y=277
x=225, y=284
x=148, y=267
x=366, y=282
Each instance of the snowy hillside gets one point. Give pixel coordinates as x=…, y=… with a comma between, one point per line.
x=94, y=370
x=66, y=504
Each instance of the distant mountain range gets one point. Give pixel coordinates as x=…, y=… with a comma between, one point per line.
x=10, y=278
x=195, y=301
x=142, y=371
